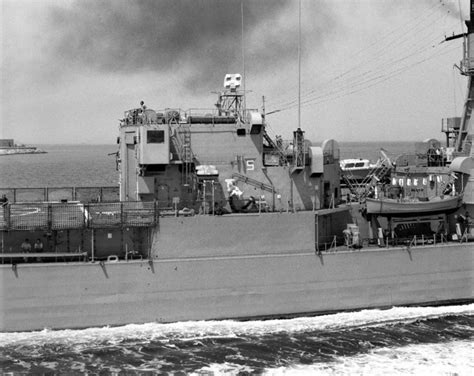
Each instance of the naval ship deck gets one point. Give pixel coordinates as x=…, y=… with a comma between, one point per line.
x=95, y=228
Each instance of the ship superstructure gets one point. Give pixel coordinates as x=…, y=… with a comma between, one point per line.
x=197, y=159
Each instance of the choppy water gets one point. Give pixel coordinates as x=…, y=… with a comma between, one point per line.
x=398, y=341
x=434, y=340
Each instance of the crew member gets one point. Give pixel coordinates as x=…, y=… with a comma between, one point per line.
x=38, y=247
x=26, y=246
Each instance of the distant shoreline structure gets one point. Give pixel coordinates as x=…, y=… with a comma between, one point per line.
x=8, y=147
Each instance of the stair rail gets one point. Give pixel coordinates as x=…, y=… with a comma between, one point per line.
x=253, y=182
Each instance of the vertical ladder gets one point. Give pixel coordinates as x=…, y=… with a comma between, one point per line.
x=177, y=142
x=187, y=156
x=181, y=139
x=299, y=159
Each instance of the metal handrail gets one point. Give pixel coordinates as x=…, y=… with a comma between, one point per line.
x=46, y=194
x=74, y=215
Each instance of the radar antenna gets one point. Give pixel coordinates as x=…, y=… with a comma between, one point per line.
x=230, y=101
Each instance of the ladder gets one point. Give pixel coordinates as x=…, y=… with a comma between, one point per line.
x=372, y=179
x=177, y=143
x=351, y=183
x=253, y=182
x=299, y=156
x=187, y=155
x=376, y=174
x=181, y=139
x=276, y=147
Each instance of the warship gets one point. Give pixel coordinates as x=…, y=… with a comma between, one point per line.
x=214, y=219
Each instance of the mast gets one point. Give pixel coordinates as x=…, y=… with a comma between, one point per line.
x=299, y=157
x=243, y=54
x=299, y=65
x=464, y=138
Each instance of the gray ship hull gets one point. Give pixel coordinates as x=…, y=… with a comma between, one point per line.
x=79, y=295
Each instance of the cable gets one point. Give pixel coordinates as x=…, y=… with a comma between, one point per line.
x=375, y=68
x=415, y=19
x=365, y=84
x=380, y=62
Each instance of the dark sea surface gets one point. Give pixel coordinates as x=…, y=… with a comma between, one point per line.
x=396, y=341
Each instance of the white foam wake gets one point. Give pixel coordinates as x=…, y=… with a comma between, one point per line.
x=451, y=358
x=230, y=328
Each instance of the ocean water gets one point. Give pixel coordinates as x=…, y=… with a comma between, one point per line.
x=94, y=165
x=396, y=341
x=61, y=166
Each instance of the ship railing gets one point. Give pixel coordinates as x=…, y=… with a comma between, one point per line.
x=64, y=194
x=126, y=213
x=143, y=116
x=417, y=240
x=140, y=116
x=329, y=243
x=210, y=113
x=210, y=206
x=200, y=113
x=334, y=243
x=76, y=215
x=14, y=258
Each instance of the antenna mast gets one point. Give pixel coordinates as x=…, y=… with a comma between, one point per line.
x=463, y=141
x=299, y=65
x=243, y=54
x=299, y=158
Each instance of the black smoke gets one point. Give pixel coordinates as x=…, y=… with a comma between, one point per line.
x=200, y=37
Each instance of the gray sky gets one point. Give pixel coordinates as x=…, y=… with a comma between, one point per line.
x=371, y=69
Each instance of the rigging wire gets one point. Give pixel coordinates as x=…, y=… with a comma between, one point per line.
x=335, y=87
x=416, y=19
x=361, y=78
x=412, y=25
x=365, y=84
x=384, y=78
x=358, y=82
x=454, y=91
x=368, y=77
x=382, y=64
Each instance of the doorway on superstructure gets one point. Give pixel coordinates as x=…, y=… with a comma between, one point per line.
x=162, y=194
